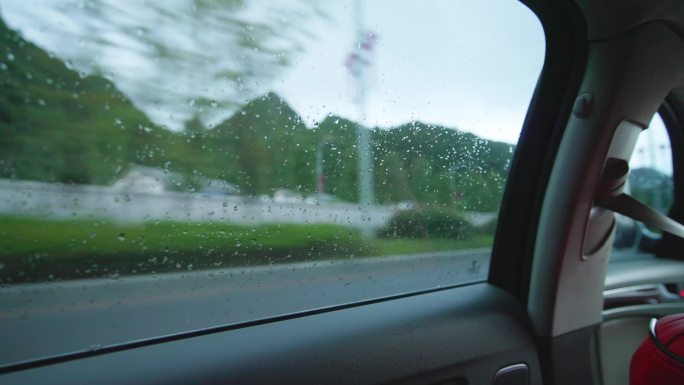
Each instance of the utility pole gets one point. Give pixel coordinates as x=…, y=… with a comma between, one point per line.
x=357, y=64
x=320, y=176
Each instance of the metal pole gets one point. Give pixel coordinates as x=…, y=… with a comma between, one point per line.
x=320, y=178
x=363, y=135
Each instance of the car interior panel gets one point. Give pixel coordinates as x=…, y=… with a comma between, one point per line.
x=563, y=294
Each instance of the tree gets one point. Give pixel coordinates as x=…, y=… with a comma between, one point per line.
x=391, y=178
x=193, y=57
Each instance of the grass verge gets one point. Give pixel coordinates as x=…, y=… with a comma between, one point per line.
x=40, y=250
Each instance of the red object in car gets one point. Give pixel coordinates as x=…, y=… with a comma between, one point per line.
x=660, y=358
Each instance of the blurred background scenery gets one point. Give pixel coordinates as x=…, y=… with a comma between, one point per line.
x=147, y=137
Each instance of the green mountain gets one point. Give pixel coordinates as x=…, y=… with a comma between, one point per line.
x=261, y=147
x=58, y=125
x=335, y=137
x=441, y=165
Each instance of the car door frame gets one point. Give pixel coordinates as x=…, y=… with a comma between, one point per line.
x=458, y=333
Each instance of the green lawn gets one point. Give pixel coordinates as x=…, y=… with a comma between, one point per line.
x=35, y=250
x=415, y=246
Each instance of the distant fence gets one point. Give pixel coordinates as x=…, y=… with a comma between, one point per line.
x=58, y=201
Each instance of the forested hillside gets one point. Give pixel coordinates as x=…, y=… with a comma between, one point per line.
x=61, y=126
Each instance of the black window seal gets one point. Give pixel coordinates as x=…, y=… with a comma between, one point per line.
x=672, y=113
x=552, y=102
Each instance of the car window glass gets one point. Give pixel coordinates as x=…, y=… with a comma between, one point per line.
x=650, y=181
x=171, y=166
x=651, y=167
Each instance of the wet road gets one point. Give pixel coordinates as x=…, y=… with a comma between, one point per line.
x=60, y=317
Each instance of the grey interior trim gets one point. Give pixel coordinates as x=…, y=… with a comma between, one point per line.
x=622, y=331
x=651, y=310
x=644, y=271
x=460, y=335
x=604, y=22
x=619, y=339
x=566, y=290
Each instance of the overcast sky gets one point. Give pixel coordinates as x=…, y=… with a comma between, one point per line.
x=466, y=64
x=470, y=65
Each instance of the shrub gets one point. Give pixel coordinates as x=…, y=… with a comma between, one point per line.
x=487, y=228
x=428, y=223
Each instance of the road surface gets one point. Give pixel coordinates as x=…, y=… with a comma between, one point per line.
x=38, y=320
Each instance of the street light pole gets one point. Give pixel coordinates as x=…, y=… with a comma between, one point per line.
x=320, y=177
x=358, y=62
